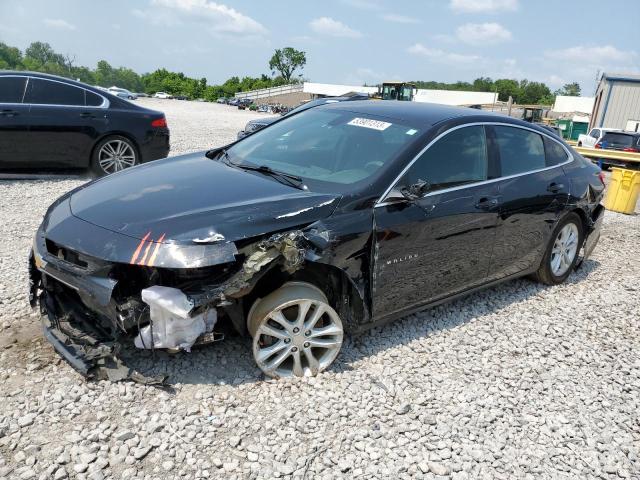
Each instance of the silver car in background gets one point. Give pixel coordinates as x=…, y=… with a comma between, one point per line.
x=122, y=93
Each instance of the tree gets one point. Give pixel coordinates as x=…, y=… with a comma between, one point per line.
x=69, y=60
x=507, y=88
x=43, y=54
x=287, y=61
x=104, y=74
x=483, y=84
x=535, y=93
x=570, y=89
x=10, y=57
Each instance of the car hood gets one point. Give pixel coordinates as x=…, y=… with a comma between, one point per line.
x=193, y=199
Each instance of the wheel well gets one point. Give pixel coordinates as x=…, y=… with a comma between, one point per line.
x=341, y=293
x=583, y=218
x=115, y=134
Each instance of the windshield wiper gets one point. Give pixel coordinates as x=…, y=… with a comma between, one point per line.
x=289, y=179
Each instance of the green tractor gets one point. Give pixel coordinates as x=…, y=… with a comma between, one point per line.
x=532, y=113
x=402, y=91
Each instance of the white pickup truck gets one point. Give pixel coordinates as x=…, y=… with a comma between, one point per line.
x=590, y=139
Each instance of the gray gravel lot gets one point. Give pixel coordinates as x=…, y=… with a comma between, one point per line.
x=519, y=381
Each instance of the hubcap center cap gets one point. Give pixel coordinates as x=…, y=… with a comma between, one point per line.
x=298, y=340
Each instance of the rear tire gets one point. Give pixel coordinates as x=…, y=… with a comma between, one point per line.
x=562, y=252
x=112, y=154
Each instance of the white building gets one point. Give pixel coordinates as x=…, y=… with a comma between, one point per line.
x=567, y=104
x=446, y=97
x=455, y=97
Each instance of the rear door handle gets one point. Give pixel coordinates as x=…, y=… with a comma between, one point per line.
x=555, y=187
x=487, y=203
x=87, y=115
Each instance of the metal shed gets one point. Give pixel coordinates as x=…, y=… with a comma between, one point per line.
x=617, y=103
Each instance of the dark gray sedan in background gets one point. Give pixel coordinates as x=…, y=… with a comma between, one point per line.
x=49, y=122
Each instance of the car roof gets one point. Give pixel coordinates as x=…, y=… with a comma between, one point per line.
x=115, y=100
x=28, y=73
x=420, y=113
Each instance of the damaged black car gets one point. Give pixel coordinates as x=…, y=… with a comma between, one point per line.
x=328, y=222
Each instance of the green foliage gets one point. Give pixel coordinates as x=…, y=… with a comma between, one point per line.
x=40, y=57
x=571, y=89
x=286, y=61
x=523, y=91
x=10, y=57
x=41, y=53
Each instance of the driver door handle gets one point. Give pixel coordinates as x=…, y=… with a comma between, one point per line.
x=7, y=112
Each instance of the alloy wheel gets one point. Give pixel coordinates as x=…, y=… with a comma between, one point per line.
x=300, y=337
x=116, y=155
x=565, y=248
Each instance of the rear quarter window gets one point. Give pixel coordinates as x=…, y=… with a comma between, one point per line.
x=555, y=154
x=92, y=99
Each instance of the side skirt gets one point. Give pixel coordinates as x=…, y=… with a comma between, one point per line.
x=403, y=313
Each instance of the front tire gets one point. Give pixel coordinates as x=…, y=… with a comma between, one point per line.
x=112, y=154
x=295, y=331
x=562, y=252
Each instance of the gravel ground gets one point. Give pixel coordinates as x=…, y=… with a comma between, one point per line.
x=519, y=381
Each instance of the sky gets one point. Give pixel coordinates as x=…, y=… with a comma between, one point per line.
x=346, y=41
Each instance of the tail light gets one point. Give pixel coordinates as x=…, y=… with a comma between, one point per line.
x=597, y=145
x=159, y=123
x=630, y=149
x=601, y=177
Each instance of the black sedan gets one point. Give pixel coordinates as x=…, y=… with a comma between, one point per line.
x=49, y=122
x=334, y=220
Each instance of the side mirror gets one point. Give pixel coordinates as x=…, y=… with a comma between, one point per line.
x=415, y=191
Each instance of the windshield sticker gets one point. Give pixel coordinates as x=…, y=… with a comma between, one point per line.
x=412, y=131
x=368, y=123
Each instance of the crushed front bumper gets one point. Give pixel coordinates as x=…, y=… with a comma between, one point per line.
x=83, y=337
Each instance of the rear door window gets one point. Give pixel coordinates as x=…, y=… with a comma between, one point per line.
x=12, y=89
x=458, y=158
x=520, y=150
x=45, y=92
x=555, y=154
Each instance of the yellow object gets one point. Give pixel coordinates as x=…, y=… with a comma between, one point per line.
x=608, y=154
x=623, y=190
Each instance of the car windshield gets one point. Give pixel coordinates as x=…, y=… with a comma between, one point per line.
x=328, y=149
x=618, y=139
